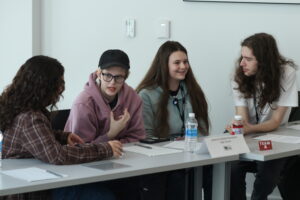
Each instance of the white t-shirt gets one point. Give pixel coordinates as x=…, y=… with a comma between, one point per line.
x=288, y=97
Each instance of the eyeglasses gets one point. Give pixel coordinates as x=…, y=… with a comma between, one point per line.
x=108, y=77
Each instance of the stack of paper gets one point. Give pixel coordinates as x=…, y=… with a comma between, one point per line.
x=295, y=126
x=175, y=144
x=32, y=174
x=151, y=150
x=180, y=145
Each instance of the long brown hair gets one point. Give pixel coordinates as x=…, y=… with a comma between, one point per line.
x=37, y=84
x=269, y=69
x=158, y=76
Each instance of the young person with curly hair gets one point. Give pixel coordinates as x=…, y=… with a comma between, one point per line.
x=25, y=123
x=170, y=92
x=264, y=90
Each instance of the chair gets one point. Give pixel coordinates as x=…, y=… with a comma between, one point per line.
x=59, y=119
x=290, y=175
x=295, y=113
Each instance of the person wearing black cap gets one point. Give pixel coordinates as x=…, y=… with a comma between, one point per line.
x=108, y=108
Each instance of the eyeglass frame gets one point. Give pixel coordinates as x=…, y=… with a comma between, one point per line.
x=115, y=77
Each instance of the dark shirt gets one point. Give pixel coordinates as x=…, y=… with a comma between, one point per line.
x=174, y=93
x=113, y=103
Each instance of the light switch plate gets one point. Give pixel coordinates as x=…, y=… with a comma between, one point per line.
x=163, y=29
x=130, y=28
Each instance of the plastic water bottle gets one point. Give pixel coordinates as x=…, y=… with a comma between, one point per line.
x=1, y=139
x=237, y=126
x=191, y=133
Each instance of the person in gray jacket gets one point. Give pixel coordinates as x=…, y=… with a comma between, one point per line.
x=170, y=92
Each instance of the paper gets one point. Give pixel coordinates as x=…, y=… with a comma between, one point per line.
x=219, y=146
x=175, y=144
x=153, y=151
x=296, y=126
x=33, y=174
x=201, y=148
x=107, y=166
x=279, y=138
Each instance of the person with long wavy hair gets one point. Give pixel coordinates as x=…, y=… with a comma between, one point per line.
x=170, y=92
x=264, y=89
x=170, y=80
x=26, y=127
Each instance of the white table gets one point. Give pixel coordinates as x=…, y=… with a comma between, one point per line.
x=280, y=150
x=138, y=164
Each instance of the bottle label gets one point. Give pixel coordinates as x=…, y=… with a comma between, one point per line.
x=191, y=132
x=238, y=129
x=237, y=126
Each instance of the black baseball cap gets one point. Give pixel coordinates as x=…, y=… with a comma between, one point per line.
x=114, y=57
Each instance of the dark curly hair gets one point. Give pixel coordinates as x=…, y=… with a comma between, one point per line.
x=158, y=75
x=269, y=69
x=38, y=83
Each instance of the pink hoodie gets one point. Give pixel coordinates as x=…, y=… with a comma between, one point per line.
x=90, y=114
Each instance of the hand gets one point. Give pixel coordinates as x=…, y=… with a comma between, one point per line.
x=117, y=125
x=116, y=148
x=247, y=127
x=74, y=139
x=228, y=128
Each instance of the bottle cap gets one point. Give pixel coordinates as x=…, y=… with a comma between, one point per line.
x=192, y=115
x=238, y=117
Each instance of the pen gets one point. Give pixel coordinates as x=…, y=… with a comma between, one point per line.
x=54, y=173
x=257, y=135
x=141, y=145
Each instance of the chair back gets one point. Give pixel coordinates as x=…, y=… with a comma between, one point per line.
x=295, y=113
x=59, y=119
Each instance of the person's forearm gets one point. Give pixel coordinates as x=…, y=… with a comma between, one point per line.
x=263, y=127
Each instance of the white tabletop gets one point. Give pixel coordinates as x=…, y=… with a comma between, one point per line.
x=137, y=164
x=279, y=150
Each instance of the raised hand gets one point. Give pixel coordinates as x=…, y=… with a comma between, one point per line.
x=117, y=125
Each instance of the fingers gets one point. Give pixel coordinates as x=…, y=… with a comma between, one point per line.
x=98, y=72
x=112, y=116
x=71, y=143
x=126, y=114
x=117, y=153
x=76, y=138
x=125, y=117
x=229, y=127
x=116, y=147
x=116, y=143
x=70, y=139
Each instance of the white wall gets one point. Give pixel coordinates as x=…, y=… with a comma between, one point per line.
x=78, y=31
x=15, y=37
